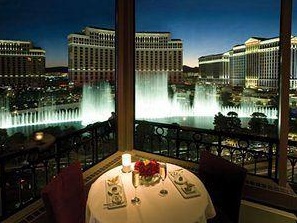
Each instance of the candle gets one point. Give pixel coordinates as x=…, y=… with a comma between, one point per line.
x=126, y=162
x=38, y=136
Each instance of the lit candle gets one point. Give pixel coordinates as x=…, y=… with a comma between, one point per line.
x=38, y=136
x=126, y=162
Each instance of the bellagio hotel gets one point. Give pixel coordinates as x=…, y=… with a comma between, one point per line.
x=91, y=55
x=21, y=63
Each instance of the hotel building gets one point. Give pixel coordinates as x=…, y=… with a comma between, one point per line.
x=21, y=63
x=254, y=64
x=91, y=55
x=215, y=68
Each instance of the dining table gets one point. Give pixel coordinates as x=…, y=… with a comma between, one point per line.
x=175, y=207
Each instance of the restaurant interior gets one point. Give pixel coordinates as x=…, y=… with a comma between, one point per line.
x=126, y=182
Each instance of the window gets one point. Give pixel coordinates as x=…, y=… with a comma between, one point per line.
x=235, y=46
x=49, y=48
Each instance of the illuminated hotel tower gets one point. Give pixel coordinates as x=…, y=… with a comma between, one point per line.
x=21, y=63
x=215, y=68
x=254, y=63
x=91, y=55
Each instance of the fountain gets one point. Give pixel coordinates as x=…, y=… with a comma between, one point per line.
x=39, y=116
x=97, y=103
x=206, y=103
x=152, y=103
x=152, y=99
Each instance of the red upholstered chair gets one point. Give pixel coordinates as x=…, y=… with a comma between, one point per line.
x=64, y=197
x=224, y=181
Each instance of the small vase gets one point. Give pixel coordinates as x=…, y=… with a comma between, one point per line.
x=149, y=180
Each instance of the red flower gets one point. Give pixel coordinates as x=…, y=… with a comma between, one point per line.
x=147, y=168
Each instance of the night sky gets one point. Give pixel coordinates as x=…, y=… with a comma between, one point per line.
x=205, y=26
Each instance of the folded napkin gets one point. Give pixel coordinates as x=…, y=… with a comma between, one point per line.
x=189, y=188
x=115, y=194
x=113, y=180
x=186, y=188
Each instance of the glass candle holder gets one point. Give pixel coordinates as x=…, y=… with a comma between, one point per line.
x=126, y=163
x=39, y=136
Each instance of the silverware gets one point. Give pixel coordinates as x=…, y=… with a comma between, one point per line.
x=176, y=172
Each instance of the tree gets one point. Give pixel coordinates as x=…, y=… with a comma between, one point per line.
x=226, y=97
x=220, y=122
x=232, y=114
x=229, y=123
x=258, y=123
x=233, y=122
x=3, y=135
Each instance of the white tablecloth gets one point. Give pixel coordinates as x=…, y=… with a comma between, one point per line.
x=172, y=208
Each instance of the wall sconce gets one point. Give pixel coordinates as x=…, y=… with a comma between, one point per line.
x=126, y=162
x=38, y=136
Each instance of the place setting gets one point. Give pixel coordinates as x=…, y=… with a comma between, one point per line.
x=183, y=185
x=146, y=173
x=151, y=172
x=134, y=192
x=115, y=194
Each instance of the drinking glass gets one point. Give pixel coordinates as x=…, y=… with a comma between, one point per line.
x=163, y=175
x=135, y=182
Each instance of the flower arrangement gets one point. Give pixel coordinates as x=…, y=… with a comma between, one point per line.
x=147, y=168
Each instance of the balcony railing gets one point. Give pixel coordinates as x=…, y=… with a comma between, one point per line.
x=256, y=153
x=292, y=163
x=25, y=172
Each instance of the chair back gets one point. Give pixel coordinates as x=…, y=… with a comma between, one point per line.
x=64, y=197
x=224, y=181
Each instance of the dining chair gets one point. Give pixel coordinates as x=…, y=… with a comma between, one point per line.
x=224, y=181
x=64, y=197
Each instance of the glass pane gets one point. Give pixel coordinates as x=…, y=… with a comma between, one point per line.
x=211, y=65
x=197, y=60
x=292, y=149
x=293, y=95
x=57, y=76
x=49, y=55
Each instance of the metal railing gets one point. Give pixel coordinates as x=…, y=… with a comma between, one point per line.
x=25, y=172
x=259, y=155
x=292, y=163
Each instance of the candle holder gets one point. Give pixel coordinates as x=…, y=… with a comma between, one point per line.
x=38, y=136
x=126, y=163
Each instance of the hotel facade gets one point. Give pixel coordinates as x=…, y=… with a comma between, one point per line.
x=215, y=67
x=254, y=64
x=91, y=55
x=21, y=63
